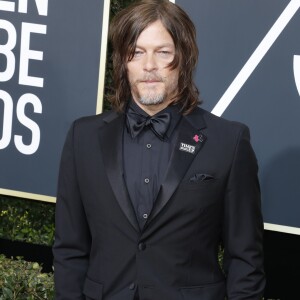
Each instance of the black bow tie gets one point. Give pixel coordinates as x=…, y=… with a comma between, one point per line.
x=159, y=124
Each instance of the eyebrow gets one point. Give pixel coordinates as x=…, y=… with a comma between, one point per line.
x=168, y=45
x=159, y=46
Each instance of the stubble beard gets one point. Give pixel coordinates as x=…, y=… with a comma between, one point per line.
x=151, y=99
x=150, y=96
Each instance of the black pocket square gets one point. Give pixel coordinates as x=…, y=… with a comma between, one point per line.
x=201, y=177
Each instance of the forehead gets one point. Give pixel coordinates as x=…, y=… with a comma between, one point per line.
x=155, y=34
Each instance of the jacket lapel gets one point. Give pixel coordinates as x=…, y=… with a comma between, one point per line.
x=111, y=141
x=189, y=141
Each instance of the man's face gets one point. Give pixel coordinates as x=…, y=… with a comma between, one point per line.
x=152, y=82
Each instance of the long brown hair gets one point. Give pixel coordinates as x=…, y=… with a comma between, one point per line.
x=125, y=29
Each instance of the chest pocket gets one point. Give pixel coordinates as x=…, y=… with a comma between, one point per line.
x=201, y=190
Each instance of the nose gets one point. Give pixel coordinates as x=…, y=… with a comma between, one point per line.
x=150, y=63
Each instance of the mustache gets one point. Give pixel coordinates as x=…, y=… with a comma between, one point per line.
x=151, y=77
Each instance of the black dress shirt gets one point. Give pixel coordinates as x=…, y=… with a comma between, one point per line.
x=146, y=159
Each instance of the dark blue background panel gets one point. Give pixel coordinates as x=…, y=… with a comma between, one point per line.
x=61, y=43
x=255, y=45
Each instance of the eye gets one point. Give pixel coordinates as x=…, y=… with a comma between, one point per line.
x=137, y=53
x=165, y=53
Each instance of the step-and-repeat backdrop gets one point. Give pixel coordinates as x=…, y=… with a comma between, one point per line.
x=50, y=74
x=52, y=60
x=249, y=71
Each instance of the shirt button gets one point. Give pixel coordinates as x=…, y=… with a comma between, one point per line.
x=145, y=216
x=149, y=146
x=132, y=286
x=142, y=246
x=147, y=180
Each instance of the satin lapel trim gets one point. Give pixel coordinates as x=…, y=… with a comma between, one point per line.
x=111, y=142
x=179, y=163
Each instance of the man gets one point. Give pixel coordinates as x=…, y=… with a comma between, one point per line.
x=148, y=191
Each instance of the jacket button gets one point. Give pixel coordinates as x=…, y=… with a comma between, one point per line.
x=132, y=286
x=142, y=246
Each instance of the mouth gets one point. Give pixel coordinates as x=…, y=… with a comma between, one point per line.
x=150, y=81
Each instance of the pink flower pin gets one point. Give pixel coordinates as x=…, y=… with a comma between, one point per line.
x=196, y=138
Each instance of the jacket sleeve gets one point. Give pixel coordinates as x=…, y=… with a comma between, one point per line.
x=72, y=236
x=243, y=225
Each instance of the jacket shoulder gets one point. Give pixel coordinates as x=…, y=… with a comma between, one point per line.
x=95, y=121
x=220, y=124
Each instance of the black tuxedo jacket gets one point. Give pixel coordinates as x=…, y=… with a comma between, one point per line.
x=210, y=194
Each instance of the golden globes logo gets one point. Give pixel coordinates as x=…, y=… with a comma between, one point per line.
x=256, y=57
x=16, y=62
